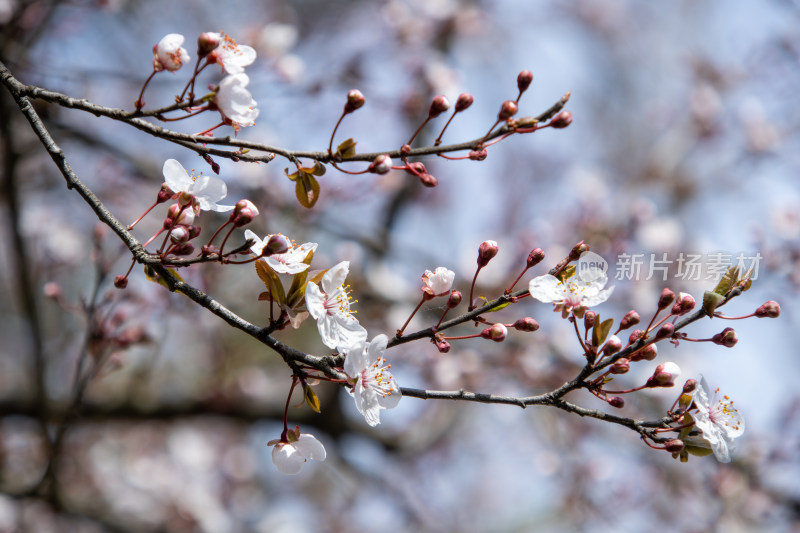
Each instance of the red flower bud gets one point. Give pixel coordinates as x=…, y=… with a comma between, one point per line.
x=578, y=250
x=674, y=446
x=665, y=331
x=621, y=366
x=454, y=299
x=616, y=401
x=478, y=155
x=666, y=299
x=507, y=110
x=631, y=318
x=526, y=324
x=524, y=80
x=207, y=43
x=727, y=337
x=535, y=257
x=770, y=309
x=382, y=164
x=121, y=281
x=496, y=332
x=689, y=386
x=438, y=106
x=588, y=319
x=486, y=251
x=562, y=120
x=354, y=101
x=612, y=345
x=464, y=101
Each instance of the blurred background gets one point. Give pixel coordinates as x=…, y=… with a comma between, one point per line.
x=684, y=141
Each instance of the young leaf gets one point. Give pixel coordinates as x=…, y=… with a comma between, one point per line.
x=346, y=149
x=311, y=398
x=307, y=190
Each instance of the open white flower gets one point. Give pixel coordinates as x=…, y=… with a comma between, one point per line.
x=206, y=190
x=374, y=387
x=289, y=262
x=438, y=282
x=719, y=421
x=235, y=102
x=573, y=295
x=289, y=457
x=168, y=53
x=330, y=307
x=232, y=57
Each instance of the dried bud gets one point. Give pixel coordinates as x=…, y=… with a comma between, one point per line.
x=496, y=332
x=243, y=213
x=578, y=250
x=213, y=164
x=612, y=345
x=689, y=386
x=727, y=337
x=478, y=155
x=616, y=401
x=526, y=324
x=454, y=299
x=507, y=110
x=121, y=281
x=382, y=164
x=631, y=318
x=588, y=319
x=207, y=43
x=666, y=299
x=524, y=80
x=464, y=101
x=674, y=446
x=438, y=106
x=534, y=258
x=562, y=120
x=664, y=375
x=486, y=251
x=770, y=309
x=354, y=101
x=665, y=331
x=621, y=366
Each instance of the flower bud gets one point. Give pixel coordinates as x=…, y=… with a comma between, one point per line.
x=616, y=401
x=177, y=214
x=428, y=180
x=648, y=353
x=207, y=43
x=562, y=120
x=727, y=337
x=588, y=319
x=164, y=194
x=121, y=281
x=382, y=164
x=186, y=248
x=443, y=346
x=683, y=305
x=770, y=309
x=666, y=299
x=612, y=345
x=534, y=258
x=524, y=79
x=179, y=235
x=665, y=331
x=635, y=336
x=621, y=366
x=526, y=324
x=486, y=251
x=438, y=106
x=496, y=332
x=51, y=289
x=689, y=386
x=354, y=101
x=464, y=101
x=578, y=250
x=243, y=213
x=277, y=244
x=674, y=446
x=454, y=299
x=664, y=375
x=631, y=318
x=507, y=110
x=209, y=250
x=478, y=155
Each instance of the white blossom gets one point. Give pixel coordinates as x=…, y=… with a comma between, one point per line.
x=235, y=102
x=719, y=421
x=289, y=262
x=206, y=190
x=438, y=282
x=374, y=387
x=168, y=53
x=573, y=294
x=330, y=307
x=289, y=457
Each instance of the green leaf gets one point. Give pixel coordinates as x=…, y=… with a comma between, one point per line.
x=307, y=190
x=293, y=176
x=601, y=330
x=271, y=280
x=728, y=280
x=710, y=302
x=567, y=273
x=311, y=398
x=346, y=149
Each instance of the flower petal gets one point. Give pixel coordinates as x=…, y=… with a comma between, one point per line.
x=310, y=447
x=356, y=360
x=176, y=176
x=287, y=459
x=335, y=276
x=546, y=288
x=315, y=300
